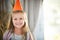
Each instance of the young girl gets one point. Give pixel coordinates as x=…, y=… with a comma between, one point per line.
x=18, y=28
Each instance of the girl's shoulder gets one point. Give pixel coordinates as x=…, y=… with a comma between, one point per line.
x=6, y=34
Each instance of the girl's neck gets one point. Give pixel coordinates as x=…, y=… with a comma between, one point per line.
x=18, y=31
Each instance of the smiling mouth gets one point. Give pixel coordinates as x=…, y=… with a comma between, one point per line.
x=19, y=24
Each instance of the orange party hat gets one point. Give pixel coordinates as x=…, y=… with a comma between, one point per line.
x=17, y=6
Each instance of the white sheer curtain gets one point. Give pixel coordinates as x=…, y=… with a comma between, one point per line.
x=39, y=28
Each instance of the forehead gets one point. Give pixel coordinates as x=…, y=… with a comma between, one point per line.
x=18, y=15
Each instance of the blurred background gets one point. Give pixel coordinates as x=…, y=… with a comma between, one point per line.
x=51, y=10
x=34, y=11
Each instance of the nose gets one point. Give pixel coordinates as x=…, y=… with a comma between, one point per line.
x=18, y=20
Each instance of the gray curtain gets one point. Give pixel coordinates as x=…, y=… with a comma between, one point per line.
x=31, y=7
x=34, y=11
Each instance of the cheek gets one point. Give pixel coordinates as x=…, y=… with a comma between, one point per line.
x=22, y=22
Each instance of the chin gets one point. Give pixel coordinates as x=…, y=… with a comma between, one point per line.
x=18, y=26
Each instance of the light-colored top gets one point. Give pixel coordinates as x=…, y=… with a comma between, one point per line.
x=10, y=36
x=16, y=37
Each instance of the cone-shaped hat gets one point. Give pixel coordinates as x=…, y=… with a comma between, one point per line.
x=17, y=6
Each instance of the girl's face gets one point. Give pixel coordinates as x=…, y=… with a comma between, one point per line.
x=18, y=20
